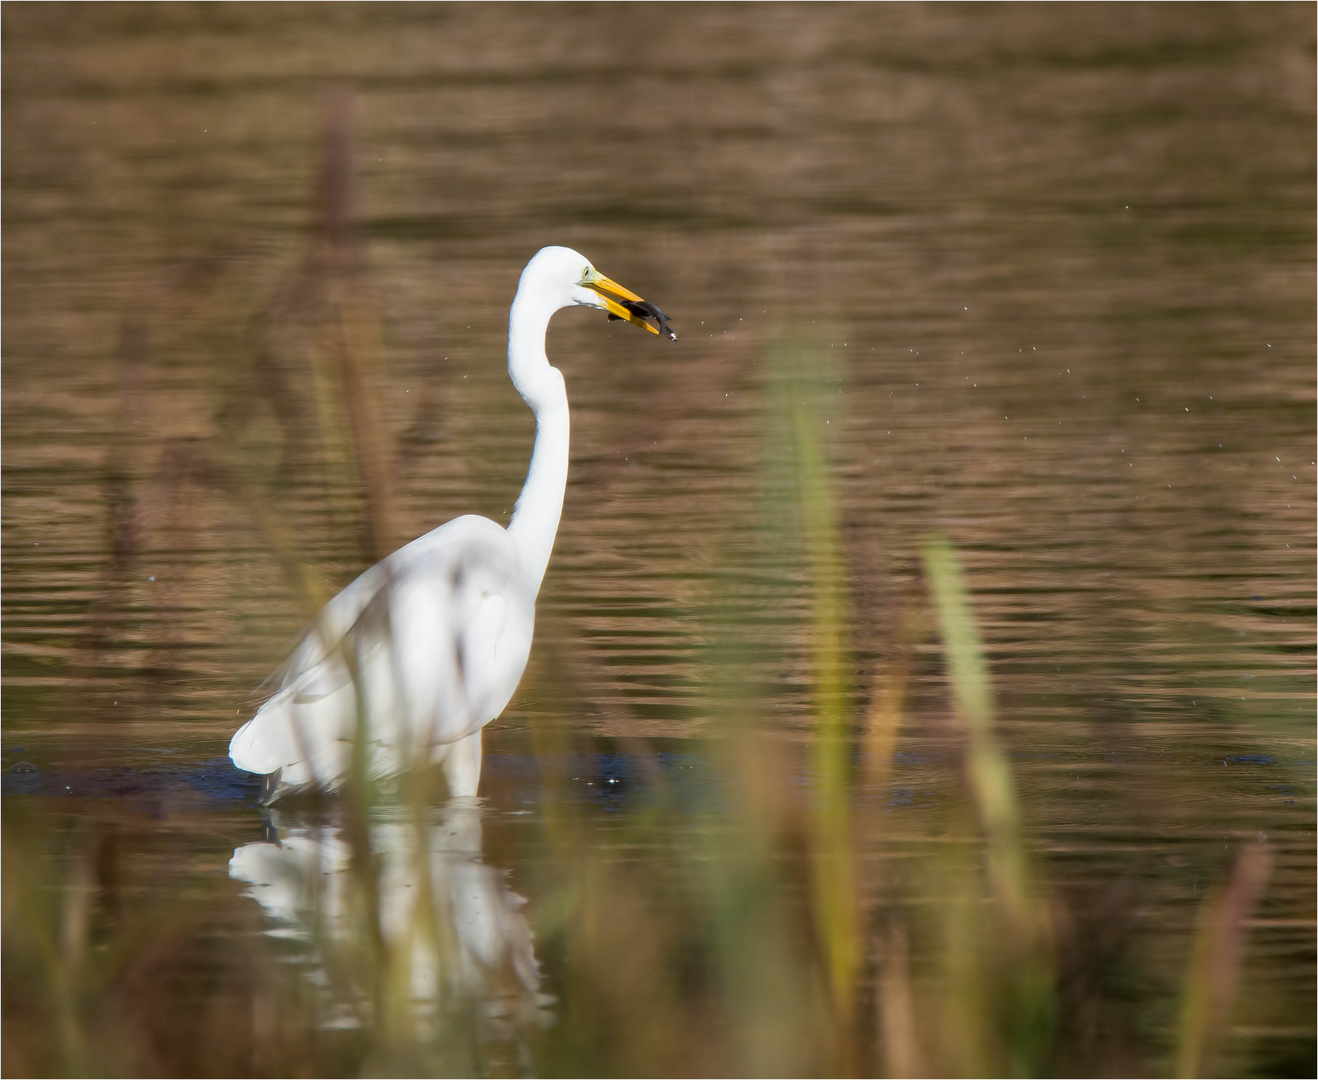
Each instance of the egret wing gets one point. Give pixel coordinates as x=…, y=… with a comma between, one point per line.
x=427, y=646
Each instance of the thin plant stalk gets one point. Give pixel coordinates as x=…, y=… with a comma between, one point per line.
x=1215, y=958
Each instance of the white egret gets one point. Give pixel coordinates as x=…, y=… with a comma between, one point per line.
x=426, y=647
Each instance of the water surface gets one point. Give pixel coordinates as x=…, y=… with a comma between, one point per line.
x=1050, y=276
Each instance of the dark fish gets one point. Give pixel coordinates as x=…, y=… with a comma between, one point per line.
x=645, y=310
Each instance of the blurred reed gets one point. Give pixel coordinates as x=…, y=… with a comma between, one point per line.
x=1215, y=958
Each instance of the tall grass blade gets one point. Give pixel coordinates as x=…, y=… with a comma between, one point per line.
x=1215, y=958
x=986, y=764
x=834, y=878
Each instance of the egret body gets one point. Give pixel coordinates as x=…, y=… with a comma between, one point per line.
x=425, y=648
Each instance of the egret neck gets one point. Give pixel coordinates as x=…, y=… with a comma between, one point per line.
x=539, y=506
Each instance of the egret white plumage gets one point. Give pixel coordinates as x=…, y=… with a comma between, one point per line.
x=425, y=648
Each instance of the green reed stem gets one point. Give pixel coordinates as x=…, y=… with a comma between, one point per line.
x=834, y=882
x=1022, y=1007
x=990, y=775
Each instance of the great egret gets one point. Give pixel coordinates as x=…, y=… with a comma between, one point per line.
x=426, y=647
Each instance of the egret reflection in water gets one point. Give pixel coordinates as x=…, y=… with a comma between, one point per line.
x=446, y=924
x=424, y=649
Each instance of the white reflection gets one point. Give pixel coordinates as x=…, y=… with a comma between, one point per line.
x=450, y=930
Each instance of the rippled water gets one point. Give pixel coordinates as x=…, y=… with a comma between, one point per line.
x=1052, y=268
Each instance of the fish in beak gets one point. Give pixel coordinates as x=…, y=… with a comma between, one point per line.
x=624, y=304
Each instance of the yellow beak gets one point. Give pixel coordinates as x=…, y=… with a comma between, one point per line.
x=611, y=292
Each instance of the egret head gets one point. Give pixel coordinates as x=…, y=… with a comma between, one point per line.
x=569, y=276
